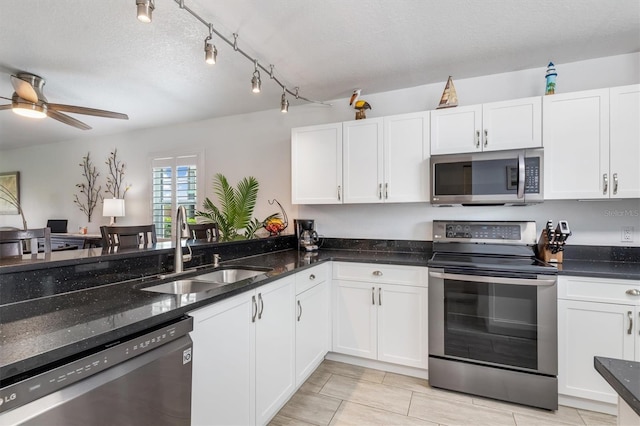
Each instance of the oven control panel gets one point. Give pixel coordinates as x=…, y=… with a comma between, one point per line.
x=484, y=232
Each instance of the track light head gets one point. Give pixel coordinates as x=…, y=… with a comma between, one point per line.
x=256, y=83
x=210, y=52
x=145, y=10
x=284, y=103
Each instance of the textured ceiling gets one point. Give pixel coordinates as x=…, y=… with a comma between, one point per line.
x=95, y=53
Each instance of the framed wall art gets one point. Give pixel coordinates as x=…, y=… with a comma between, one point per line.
x=9, y=192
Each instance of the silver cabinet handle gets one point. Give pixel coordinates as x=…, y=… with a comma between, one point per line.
x=615, y=183
x=379, y=191
x=633, y=292
x=377, y=273
x=379, y=296
x=312, y=277
x=261, y=305
x=386, y=190
x=486, y=137
x=299, y=311
x=630, y=315
x=373, y=295
x=605, y=184
x=254, y=309
x=339, y=193
x=477, y=138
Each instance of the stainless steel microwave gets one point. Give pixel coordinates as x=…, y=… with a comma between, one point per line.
x=487, y=178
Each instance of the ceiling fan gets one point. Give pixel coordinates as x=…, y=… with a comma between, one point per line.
x=29, y=100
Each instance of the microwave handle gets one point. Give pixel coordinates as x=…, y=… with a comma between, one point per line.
x=494, y=280
x=521, y=175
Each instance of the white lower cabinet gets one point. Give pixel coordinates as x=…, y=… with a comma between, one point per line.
x=313, y=322
x=380, y=312
x=596, y=317
x=243, y=363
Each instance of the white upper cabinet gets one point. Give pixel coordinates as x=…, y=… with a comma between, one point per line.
x=494, y=126
x=380, y=160
x=406, y=158
x=455, y=130
x=316, y=164
x=624, y=141
x=512, y=124
x=362, y=161
x=386, y=160
x=591, y=144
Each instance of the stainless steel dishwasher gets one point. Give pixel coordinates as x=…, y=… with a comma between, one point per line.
x=142, y=380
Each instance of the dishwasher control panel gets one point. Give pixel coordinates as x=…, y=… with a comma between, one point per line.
x=104, y=357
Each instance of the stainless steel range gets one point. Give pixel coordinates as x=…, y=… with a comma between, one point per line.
x=492, y=313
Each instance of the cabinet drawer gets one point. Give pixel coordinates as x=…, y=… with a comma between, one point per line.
x=602, y=290
x=376, y=273
x=310, y=277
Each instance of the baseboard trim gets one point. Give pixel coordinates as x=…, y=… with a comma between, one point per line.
x=378, y=365
x=588, y=404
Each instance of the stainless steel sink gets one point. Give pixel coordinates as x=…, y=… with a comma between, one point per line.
x=228, y=275
x=184, y=287
x=209, y=281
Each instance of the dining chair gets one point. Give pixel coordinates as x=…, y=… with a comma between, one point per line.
x=204, y=231
x=12, y=243
x=128, y=236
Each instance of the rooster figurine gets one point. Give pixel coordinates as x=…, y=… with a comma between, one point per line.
x=359, y=105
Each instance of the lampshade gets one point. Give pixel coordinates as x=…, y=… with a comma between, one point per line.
x=113, y=207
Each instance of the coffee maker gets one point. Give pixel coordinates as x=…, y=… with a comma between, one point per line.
x=306, y=234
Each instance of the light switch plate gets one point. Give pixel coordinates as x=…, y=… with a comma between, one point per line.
x=627, y=234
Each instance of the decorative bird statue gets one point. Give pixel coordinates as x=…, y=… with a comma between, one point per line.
x=360, y=105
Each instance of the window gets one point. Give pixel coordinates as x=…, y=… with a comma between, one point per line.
x=174, y=183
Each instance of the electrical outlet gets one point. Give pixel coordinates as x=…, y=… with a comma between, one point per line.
x=627, y=234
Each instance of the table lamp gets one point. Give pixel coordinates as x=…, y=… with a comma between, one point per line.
x=113, y=207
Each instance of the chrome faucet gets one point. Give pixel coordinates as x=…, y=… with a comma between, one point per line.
x=182, y=231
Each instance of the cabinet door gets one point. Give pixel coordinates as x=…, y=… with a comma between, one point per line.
x=316, y=164
x=512, y=124
x=406, y=158
x=402, y=325
x=224, y=363
x=312, y=330
x=625, y=142
x=576, y=145
x=354, y=319
x=362, y=161
x=275, y=351
x=587, y=329
x=456, y=130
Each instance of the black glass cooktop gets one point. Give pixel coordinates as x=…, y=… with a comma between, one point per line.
x=491, y=262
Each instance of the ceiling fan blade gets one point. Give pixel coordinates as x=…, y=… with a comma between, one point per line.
x=5, y=107
x=24, y=89
x=67, y=120
x=87, y=111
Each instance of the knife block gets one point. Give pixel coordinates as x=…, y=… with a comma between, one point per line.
x=544, y=251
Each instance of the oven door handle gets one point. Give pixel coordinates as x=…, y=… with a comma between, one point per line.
x=540, y=281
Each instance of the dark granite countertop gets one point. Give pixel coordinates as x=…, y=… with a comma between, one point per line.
x=48, y=329
x=624, y=378
x=600, y=269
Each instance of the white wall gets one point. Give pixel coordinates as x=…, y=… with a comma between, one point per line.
x=258, y=144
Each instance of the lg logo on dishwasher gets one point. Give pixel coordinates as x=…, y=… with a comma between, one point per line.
x=7, y=398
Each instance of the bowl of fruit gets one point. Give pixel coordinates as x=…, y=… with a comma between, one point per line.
x=276, y=223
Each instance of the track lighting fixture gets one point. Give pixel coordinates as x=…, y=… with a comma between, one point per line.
x=145, y=9
x=210, y=51
x=256, y=83
x=284, y=103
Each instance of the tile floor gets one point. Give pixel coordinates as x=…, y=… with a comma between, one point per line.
x=343, y=394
